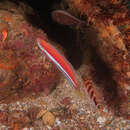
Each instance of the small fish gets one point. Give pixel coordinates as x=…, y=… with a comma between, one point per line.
x=90, y=89
x=63, y=17
x=60, y=61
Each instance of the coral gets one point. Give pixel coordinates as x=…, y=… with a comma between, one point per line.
x=111, y=43
x=22, y=64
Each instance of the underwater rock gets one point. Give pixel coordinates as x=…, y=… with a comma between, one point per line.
x=23, y=67
x=109, y=39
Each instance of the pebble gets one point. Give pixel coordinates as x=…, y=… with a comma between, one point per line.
x=58, y=122
x=41, y=113
x=3, y=106
x=38, y=124
x=66, y=101
x=18, y=103
x=117, y=129
x=128, y=74
x=48, y=119
x=25, y=129
x=31, y=128
x=82, y=117
x=101, y=120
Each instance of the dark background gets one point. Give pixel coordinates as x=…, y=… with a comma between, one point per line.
x=63, y=35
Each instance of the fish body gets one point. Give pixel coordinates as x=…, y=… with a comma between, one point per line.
x=60, y=61
x=63, y=17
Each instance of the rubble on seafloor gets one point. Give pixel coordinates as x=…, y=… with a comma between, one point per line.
x=35, y=96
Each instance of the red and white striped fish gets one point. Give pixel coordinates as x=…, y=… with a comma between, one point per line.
x=60, y=61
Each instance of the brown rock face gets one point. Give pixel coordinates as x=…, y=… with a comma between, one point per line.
x=23, y=67
x=109, y=40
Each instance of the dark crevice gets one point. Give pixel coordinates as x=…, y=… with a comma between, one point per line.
x=63, y=35
x=103, y=77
